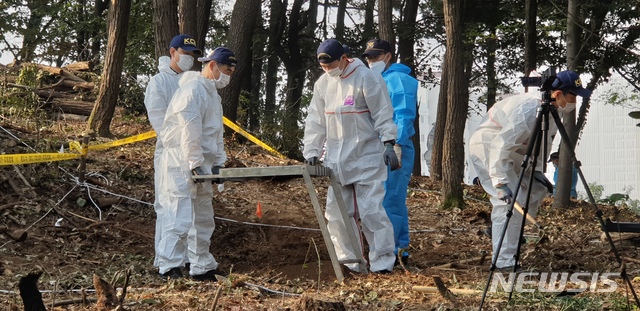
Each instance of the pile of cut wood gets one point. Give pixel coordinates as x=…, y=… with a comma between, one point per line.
x=67, y=92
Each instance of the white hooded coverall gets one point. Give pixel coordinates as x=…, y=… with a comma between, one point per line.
x=192, y=136
x=156, y=99
x=497, y=150
x=353, y=113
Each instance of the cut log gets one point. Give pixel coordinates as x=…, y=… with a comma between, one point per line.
x=617, y=237
x=49, y=69
x=74, y=106
x=79, y=66
x=8, y=79
x=78, y=85
x=629, y=259
x=434, y=290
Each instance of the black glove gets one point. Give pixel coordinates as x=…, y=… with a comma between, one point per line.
x=197, y=171
x=215, y=171
x=311, y=161
x=541, y=178
x=390, y=157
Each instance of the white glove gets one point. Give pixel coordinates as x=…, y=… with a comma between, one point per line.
x=398, y=150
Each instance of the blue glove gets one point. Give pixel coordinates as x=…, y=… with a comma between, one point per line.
x=215, y=171
x=504, y=193
x=390, y=157
x=197, y=171
x=312, y=161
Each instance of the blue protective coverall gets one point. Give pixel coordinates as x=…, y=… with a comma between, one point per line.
x=403, y=90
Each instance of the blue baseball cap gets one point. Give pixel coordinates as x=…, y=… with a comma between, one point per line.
x=330, y=50
x=221, y=55
x=569, y=81
x=376, y=47
x=185, y=42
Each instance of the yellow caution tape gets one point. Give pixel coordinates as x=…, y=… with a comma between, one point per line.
x=250, y=137
x=14, y=159
x=75, y=146
x=124, y=141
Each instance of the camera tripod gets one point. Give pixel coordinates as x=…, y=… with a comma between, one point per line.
x=538, y=139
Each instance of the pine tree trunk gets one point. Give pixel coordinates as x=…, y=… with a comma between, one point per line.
x=385, y=18
x=291, y=132
x=204, y=12
x=563, y=186
x=188, y=17
x=100, y=118
x=254, y=109
x=240, y=40
x=406, y=42
x=165, y=24
x=530, y=36
x=435, y=171
x=492, y=81
x=339, y=30
x=453, y=147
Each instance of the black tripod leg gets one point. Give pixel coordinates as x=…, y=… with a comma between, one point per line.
x=592, y=201
x=538, y=142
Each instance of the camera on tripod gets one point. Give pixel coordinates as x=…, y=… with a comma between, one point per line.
x=544, y=82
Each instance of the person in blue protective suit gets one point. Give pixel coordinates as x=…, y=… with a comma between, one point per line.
x=192, y=136
x=351, y=113
x=403, y=91
x=554, y=158
x=157, y=96
x=497, y=150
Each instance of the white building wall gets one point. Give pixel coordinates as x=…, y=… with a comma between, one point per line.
x=609, y=146
x=609, y=149
x=427, y=110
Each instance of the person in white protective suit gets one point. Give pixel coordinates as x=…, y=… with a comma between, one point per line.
x=159, y=91
x=497, y=150
x=352, y=112
x=192, y=136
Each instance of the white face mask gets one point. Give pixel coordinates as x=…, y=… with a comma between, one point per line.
x=335, y=72
x=223, y=79
x=568, y=106
x=378, y=66
x=185, y=62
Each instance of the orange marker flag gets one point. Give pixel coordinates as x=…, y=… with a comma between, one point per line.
x=259, y=210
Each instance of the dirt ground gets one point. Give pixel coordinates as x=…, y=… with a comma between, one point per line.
x=278, y=261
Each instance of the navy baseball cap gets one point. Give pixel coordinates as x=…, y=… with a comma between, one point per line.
x=185, y=42
x=221, y=55
x=330, y=50
x=375, y=47
x=569, y=81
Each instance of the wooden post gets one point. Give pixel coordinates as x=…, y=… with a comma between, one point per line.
x=83, y=158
